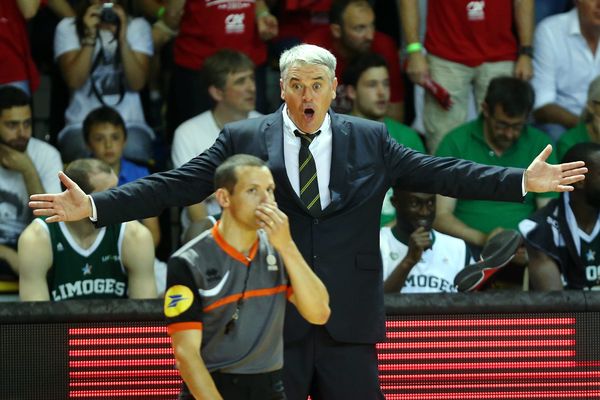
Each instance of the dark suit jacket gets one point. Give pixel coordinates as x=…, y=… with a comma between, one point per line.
x=343, y=245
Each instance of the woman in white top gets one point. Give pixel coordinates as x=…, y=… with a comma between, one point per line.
x=104, y=58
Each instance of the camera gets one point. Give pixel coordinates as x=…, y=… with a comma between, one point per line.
x=108, y=15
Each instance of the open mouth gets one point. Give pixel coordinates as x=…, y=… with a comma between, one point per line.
x=309, y=112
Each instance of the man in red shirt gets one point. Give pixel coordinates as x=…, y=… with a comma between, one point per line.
x=17, y=67
x=205, y=28
x=352, y=32
x=468, y=42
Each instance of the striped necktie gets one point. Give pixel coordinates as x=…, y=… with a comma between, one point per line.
x=309, y=184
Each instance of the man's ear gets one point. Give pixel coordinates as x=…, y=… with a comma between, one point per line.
x=215, y=93
x=334, y=87
x=222, y=196
x=336, y=31
x=281, y=90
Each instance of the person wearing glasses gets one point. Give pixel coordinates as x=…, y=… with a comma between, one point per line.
x=499, y=136
x=227, y=291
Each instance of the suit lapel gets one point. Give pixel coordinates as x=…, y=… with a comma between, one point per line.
x=339, y=160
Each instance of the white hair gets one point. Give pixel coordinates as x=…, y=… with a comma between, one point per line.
x=306, y=54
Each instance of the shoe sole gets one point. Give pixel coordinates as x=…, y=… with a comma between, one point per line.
x=472, y=277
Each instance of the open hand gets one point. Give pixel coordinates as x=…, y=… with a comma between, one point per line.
x=543, y=177
x=71, y=205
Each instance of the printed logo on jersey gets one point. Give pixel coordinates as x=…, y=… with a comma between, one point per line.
x=87, y=269
x=100, y=287
x=475, y=10
x=60, y=247
x=110, y=257
x=590, y=255
x=234, y=23
x=177, y=300
x=216, y=289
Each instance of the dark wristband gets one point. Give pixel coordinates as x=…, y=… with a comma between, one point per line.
x=526, y=51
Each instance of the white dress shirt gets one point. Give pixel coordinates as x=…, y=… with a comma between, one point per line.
x=563, y=63
x=320, y=148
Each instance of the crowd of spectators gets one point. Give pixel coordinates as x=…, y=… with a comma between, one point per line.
x=151, y=84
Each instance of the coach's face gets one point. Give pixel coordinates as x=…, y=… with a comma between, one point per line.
x=308, y=91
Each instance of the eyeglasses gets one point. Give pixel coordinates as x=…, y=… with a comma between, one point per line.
x=505, y=126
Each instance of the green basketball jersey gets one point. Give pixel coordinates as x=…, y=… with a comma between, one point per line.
x=93, y=273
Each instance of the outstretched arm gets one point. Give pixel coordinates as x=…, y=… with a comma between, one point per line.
x=310, y=295
x=543, y=177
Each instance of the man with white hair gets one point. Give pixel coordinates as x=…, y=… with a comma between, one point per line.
x=331, y=173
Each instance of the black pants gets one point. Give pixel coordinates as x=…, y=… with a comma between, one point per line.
x=326, y=369
x=267, y=386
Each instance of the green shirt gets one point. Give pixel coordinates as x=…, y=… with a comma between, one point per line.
x=467, y=142
x=409, y=138
x=570, y=138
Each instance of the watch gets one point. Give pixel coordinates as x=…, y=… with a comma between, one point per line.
x=526, y=51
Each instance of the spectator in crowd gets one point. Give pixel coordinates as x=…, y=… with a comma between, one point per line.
x=562, y=239
x=218, y=342
x=104, y=58
x=205, y=28
x=368, y=86
x=27, y=166
x=105, y=134
x=331, y=181
x=351, y=33
x=229, y=76
x=17, y=67
x=468, y=43
x=417, y=258
x=566, y=61
x=74, y=260
x=500, y=136
x=588, y=129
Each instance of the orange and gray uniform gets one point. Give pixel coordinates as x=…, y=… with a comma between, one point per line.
x=206, y=280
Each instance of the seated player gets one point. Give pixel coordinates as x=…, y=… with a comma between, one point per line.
x=74, y=260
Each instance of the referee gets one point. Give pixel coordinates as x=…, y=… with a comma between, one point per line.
x=227, y=291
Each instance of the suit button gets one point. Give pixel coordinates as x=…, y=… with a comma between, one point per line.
x=315, y=257
x=316, y=221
